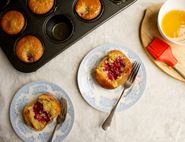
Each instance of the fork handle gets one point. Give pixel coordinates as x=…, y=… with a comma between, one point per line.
x=51, y=138
x=107, y=122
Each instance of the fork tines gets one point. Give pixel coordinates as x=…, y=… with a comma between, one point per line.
x=135, y=69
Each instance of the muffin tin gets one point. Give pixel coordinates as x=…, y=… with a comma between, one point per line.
x=63, y=17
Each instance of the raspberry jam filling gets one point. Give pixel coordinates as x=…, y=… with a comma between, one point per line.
x=40, y=114
x=114, y=69
x=30, y=57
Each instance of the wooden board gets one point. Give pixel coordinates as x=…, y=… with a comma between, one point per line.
x=149, y=30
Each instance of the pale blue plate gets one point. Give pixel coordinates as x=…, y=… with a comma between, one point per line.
x=28, y=93
x=104, y=99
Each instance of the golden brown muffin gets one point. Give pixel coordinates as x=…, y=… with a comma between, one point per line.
x=41, y=112
x=40, y=6
x=113, y=70
x=29, y=49
x=88, y=9
x=12, y=22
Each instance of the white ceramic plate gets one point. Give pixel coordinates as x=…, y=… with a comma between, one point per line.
x=104, y=99
x=28, y=93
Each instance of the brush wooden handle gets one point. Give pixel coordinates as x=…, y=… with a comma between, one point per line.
x=180, y=69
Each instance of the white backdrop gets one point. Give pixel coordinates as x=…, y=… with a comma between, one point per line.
x=157, y=117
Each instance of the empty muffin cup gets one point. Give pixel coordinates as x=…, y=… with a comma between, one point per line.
x=59, y=28
x=4, y=3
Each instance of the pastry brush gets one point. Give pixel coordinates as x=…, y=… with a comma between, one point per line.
x=161, y=51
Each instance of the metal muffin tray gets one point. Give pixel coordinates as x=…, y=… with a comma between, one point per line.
x=41, y=27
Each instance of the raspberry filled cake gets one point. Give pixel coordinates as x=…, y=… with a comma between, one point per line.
x=42, y=111
x=113, y=70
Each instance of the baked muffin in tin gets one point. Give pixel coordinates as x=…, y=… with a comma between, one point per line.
x=29, y=49
x=12, y=22
x=88, y=9
x=40, y=6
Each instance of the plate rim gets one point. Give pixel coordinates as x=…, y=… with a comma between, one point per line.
x=115, y=45
x=27, y=85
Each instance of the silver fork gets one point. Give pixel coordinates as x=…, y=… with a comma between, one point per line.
x=128, y=84
x=61, y=117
